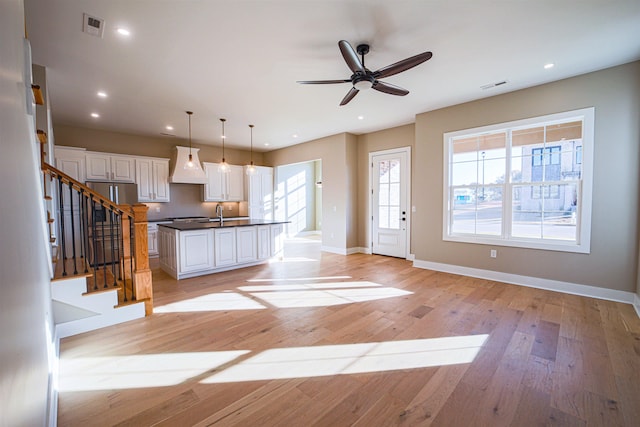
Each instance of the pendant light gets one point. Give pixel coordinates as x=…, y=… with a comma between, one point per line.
x=224, y=166
x=251, y=169
x=189, y=164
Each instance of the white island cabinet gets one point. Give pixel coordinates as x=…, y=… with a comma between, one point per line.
x=189, y=250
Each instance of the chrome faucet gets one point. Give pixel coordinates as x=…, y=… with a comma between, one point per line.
x=220, y=212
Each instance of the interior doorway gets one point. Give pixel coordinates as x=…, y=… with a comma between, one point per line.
x=298, y=198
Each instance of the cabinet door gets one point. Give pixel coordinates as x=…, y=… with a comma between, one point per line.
x=122, y=169
x=160, y=180
x=98, y=167
x=225, y=247
x=266, y=193
x=144, y=179
x=152, y=239
x=196, y=250
x=277, y=239
x=235, y=184
x=264, y=247
x=214, y=188
x=246, y=244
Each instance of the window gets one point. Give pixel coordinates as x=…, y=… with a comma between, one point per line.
x=525, y=183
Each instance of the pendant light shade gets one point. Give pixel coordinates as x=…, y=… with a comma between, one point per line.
x=224, y=166
x=190, y=165
x=251, y=169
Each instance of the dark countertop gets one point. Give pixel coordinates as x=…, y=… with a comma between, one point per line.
x=210, y=219
x=187, y=226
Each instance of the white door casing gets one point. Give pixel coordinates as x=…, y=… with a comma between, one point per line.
x=390, y=195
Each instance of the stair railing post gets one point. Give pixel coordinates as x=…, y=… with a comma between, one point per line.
x=142, y=275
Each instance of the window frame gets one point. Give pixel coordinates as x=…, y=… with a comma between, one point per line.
x=582, y=244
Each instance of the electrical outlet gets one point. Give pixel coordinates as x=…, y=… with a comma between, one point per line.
x=157, y=209
x=494, y=253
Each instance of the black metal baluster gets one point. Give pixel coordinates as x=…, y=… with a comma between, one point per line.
x=82, y=224
x=94, y=243
x=104, y=255
x=113, y=249
x=132, y=244
x=119, y=243
x=85, y=235
x=73, y=230
x=62, y=237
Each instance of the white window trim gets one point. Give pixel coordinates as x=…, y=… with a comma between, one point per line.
x=585, y=187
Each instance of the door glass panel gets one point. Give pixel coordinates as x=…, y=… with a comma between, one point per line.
x=389, y=194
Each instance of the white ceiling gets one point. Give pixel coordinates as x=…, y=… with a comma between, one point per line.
x=241, y=59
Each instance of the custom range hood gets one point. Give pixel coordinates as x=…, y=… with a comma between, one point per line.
x=183, y=173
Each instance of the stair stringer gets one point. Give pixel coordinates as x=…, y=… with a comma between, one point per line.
x=76, y=311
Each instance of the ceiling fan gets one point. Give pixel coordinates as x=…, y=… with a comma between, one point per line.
x=363, y=78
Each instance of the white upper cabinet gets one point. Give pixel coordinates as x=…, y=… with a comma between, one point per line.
x=152, y=177
x=109, y=167
x=71, y=161
x=260, y=193
x=223, y=187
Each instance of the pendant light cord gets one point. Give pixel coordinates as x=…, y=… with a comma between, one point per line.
x=223, y=137
x=251, y=152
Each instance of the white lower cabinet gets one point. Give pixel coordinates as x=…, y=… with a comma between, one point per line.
x=225, y=247
x=264, y=239
x=246, y=244
x=152, y=239
x=196, y=250
x=277, y=239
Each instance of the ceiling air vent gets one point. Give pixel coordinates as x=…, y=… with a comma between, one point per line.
x=92, y=25
x=492, y=85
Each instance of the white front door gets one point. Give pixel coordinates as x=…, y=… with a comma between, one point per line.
x=389, y=202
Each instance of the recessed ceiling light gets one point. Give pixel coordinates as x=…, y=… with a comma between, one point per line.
x=360, y=117
x=266, y=144
x=295, y=135
x=95, y=115
x=168, y=127
x=123, y=32
x=102, y=94
x=549, y=65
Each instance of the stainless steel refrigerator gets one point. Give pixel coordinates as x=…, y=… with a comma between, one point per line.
x=104, y=232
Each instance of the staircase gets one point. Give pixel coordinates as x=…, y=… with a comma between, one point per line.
x=101, y=274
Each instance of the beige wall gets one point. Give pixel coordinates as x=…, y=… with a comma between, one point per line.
x=402, y=136
x=120, y=143
x=338, y=169
x=613, y=260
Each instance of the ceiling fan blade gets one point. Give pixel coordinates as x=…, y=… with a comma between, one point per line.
x=389, y=88
x=401, y=66
x=351, y=57
x=349, y=96
x=322, y=82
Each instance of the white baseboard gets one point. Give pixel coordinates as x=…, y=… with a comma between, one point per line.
x=411, y=257
x=52, y=411
x=331, y=249
x=358, y=250
x=536, y=282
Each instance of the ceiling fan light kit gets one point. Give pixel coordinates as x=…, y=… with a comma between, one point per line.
x=363, y=78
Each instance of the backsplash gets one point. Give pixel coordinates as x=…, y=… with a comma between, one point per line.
x=186, y=200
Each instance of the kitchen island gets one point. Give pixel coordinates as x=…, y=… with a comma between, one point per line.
x=189, y=249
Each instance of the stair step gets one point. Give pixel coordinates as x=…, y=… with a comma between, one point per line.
x=69, y=264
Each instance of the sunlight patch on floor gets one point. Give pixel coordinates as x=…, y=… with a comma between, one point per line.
x=298, y=279
x=138, y=371
x=305, y=286
x=222, y=301
x=326, y=298
x=306, y=362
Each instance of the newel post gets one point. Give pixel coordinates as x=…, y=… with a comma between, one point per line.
x=142, y=274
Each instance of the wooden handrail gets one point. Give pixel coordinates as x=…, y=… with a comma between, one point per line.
x=78, y=186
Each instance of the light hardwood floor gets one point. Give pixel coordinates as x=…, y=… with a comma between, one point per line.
x=264, y=346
